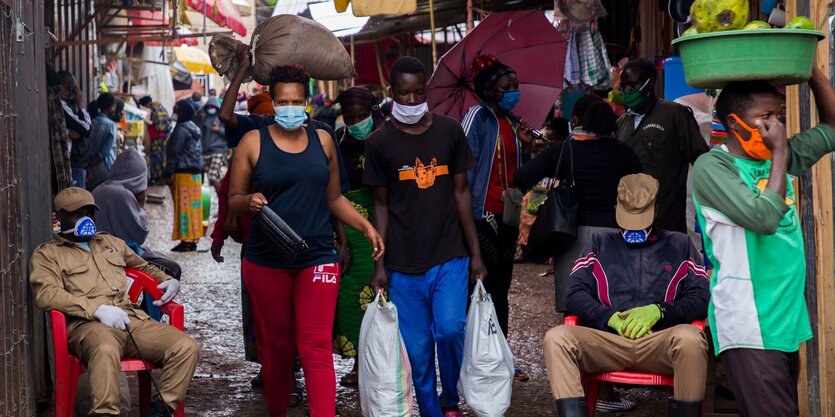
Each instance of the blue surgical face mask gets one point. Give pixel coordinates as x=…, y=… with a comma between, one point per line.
x=509, y=99
x=290, y=118
x=636, y=237
x=362, y=129
x=211, y=111
x=85, y=228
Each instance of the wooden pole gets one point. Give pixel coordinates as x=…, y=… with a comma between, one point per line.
x=353, y=60
x=822, y=186
x=432, y=26
x=204, y=22
x=130, y=69
x=470, y=23
x=816, y=386
x=379, y=65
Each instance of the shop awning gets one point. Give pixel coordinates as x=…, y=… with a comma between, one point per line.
x=222, y=12
x=153, y=19
x=447, y=13
x=244, y=7
x=193, y=59
x=341, y=24
x=376, y=7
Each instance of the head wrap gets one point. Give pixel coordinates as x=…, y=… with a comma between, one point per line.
x=361, y=96
x=130, y=171
x=185, y=111
x=261, y=103
x=486, y=71
x=356, y=95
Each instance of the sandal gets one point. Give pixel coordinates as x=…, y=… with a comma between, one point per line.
x=453, y=412
x=185, y=247
x=295, y=398
x=350, y=379
x=520, y=376
x=258, y=381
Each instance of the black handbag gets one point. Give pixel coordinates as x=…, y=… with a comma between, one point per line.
x=285, y=243
x=555, y=227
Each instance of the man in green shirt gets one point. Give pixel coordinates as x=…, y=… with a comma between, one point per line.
x=748, y=209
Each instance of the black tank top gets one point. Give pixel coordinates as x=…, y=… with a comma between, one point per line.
x=295, y=185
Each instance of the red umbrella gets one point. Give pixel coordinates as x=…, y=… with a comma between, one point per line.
x=524, y=40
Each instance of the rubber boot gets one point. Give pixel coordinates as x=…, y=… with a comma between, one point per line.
x=572, y=407
x=678, y=408
x=159, y=409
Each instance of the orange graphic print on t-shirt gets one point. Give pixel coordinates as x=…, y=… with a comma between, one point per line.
x=423, y=175
x=764, y=183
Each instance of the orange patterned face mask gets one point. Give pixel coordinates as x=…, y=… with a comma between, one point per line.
x=755, y=146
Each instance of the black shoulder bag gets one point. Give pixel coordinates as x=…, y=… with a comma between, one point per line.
x=285, y=243
x=555, y=227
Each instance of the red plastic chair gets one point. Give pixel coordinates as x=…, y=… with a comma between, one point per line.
x=68, y=367
x=591, y=382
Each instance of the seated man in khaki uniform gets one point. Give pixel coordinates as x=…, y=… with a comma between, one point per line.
x=635, y=291
x=81, y=273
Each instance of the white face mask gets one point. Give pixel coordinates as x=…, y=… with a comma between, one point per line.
x=408, y=115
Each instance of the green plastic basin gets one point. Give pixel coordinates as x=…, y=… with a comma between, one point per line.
x=780, y=56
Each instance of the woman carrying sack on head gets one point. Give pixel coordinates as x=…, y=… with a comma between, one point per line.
x=498, y=146
x=600, y=161
x=292, y=169
x=184, y=167
x=362, y=117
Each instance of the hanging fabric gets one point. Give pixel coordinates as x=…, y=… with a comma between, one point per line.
x=587, y=61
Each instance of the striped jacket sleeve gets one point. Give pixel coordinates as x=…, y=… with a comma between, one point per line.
x=688, y=292
x=585, y=297
x=472, y=124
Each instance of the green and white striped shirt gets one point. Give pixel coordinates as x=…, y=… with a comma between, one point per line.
x=754, y=239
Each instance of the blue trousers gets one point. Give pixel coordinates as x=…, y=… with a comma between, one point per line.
x=79, y=177
x=432, y=309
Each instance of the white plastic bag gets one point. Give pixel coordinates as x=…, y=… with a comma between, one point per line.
x=385, y=376
x=487, y=372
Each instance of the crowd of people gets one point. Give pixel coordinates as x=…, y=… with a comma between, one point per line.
x=420, y=206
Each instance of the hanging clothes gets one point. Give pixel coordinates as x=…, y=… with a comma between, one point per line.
x=586, y=59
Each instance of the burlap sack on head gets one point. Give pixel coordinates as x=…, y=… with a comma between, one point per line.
x=285, y=40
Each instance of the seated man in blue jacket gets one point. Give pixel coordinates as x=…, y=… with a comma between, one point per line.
x=635, y=291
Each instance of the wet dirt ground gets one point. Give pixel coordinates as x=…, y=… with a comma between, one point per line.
x=211, y=295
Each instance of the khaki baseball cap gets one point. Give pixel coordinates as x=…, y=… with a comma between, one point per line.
x=636, y=201
x=74, y=198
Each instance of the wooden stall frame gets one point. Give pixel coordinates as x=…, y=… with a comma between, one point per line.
x=817, y=381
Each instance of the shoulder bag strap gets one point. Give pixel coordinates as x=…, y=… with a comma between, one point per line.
x=570, y=163
x=566, y=144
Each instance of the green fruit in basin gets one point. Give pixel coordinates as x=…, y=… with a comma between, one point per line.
x=800, y=22
x=756, y=24
x=719, y=15
x=688, y=32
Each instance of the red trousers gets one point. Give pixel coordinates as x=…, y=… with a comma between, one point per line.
x=295, y=310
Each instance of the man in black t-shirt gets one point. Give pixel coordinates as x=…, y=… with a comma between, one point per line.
x=417, y=167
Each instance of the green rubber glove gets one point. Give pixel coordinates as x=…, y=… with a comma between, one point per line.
x=617, y=323
x=639, y=320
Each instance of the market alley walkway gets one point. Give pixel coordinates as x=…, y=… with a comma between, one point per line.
x=221, y=388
